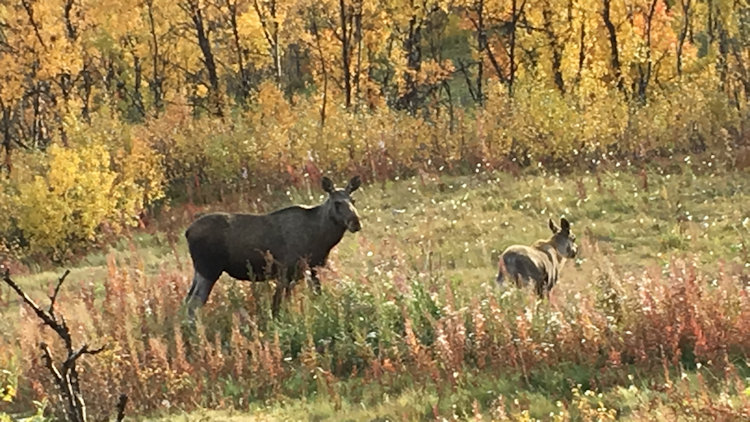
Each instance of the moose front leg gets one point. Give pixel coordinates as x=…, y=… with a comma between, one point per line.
x=199, y=291
x=314, y=281
x=283, y=285
x=280, y=287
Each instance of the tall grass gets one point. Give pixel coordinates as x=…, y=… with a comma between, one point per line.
x=411, y=311
x=393, y=328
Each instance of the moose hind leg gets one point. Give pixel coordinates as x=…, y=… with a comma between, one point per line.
x=542, y=289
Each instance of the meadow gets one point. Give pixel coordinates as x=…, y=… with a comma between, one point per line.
x=651, y=321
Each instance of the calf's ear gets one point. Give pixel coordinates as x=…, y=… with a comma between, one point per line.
x=565, y=225
x=353, y=184
x=553, y=227
x=327, y=184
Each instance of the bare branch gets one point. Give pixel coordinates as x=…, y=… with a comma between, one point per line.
x=83, y=350
x=48, y=362
x=30, y=13
x=44, y=316
x=66, y=376
x=53, y=298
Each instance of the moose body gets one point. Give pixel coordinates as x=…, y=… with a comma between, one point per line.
x=279, y=245
x=540, y=263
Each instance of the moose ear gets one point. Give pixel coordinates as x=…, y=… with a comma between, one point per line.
x=353, y=184
x=565, y=225
x=327, y=184
x=553, y=227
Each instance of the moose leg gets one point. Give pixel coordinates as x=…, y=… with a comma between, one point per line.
x=199, y=291
x=283, y=283
x=500, y=280
x=501, y=271
x=277, y=299
x=540, y=289
x=288, y=290
x=314, y=281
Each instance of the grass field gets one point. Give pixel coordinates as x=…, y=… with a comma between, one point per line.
x=652, y=321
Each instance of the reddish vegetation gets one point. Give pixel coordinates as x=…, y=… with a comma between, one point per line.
x=646, y=323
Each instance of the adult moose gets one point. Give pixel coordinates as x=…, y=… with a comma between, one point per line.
x=279, y=245
x=540, y=263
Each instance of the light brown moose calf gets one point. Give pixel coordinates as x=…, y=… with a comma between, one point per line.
x=540, y=263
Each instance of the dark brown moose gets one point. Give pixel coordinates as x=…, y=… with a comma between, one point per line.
x=540, y=263
x=279, y=245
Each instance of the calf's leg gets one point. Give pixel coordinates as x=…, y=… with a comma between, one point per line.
x=541, y=289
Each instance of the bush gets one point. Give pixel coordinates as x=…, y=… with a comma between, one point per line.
x=68, y=197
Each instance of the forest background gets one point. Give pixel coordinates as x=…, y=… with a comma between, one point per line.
x=112, y=107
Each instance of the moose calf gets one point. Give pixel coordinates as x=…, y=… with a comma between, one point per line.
x=277, y=246
x=540, y=263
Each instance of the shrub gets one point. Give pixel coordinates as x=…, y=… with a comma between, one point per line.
x=68, y=197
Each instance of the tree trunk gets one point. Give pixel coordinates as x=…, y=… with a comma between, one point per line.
x=346, y=39
x=614, y=52
x=276, y=44
x=88, y=84
x=516, y=12
x=581, y=52
x=358, y=38
x=685, y=4
x=723, y=58
x=482, y=44
x=137, y=96
x=645, y=75
x=244, y=82
x=271, y=34
x=412, y=46
x=201, y=33
x=157, y=82
x=556, y=49
x=8, y=164
x=316, y=33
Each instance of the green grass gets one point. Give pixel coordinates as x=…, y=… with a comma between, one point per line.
x=519, y=401
x=464, y=223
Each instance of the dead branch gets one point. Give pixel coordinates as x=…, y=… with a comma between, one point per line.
x=65, y=375
x=53, y=298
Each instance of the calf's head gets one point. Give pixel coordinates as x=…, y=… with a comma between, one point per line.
x=340, y=205
x=563, y=239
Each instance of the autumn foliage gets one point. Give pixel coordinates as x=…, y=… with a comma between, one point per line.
x=110, y=106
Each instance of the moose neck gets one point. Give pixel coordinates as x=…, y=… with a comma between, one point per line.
x=549, y=248
x=330, y=232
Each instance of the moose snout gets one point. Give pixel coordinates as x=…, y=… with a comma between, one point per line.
x=354, y=225
x=572, y=252
x=500, y=279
